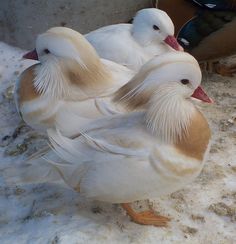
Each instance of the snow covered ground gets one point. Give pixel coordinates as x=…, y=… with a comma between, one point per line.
x=203, y=212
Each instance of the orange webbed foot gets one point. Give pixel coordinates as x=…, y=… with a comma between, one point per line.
x=146, y=217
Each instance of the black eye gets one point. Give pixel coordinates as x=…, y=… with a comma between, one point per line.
x=155, y=27
x=184, y=81
x=46, y=51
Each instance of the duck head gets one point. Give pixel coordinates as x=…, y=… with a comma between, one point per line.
x=163, y=88
x=67, y=61
x=153, y=25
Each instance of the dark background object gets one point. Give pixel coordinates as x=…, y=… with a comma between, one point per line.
x=202, y=28
x=206, y=29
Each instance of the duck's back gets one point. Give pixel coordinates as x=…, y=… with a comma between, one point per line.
x=116, y=43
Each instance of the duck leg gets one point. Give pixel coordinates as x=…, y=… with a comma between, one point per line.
x=145, y=217
x=225, y=70
x=217, y=67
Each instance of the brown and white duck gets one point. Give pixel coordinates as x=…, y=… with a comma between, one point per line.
x=153, y=150
x=61, y=90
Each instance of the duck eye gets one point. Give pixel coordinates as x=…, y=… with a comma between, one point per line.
x=184, y=81
x=46, y=51
x=155, y=27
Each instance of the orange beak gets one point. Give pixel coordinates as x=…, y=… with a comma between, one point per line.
x=172, y=42
x=31, y=55
x=201, y=95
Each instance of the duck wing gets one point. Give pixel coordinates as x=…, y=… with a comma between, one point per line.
x=111, y=135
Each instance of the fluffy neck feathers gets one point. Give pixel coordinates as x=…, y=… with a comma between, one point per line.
x=169, y=115
x=66, y=78
x=49, y=79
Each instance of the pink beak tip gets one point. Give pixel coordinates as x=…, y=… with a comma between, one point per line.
x=31, y=55
x=200, y=94
x=172, y=42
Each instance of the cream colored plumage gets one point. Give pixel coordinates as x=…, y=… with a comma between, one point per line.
x=132, y=45
x=63, y=90
x=155, y=149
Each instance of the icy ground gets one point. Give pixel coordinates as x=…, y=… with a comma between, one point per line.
x=204, y=212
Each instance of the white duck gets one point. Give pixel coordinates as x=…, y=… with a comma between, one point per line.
x=132, y=45
x=60, y=90
x=155, y=149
